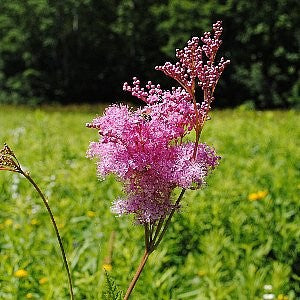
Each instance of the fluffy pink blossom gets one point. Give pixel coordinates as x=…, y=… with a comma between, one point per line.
x=146, y=148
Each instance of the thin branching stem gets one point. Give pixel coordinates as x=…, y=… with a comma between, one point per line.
x=151, y=245
x=158, y=228
x=167, y=223
x=152, y=242
x=147, y=236
x=28, y=177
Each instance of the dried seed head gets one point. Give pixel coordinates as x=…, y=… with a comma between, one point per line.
x=8, y=160
x=7, y=151
x=7, y=163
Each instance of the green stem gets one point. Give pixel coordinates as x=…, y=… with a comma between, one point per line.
x=27, y=176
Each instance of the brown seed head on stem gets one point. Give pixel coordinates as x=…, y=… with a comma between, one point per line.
x=8, y=160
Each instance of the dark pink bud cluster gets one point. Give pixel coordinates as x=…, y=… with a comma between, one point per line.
x=145, y=147
x=211, y=45
x=194, y=69
x=186, y=69
x=149, y=95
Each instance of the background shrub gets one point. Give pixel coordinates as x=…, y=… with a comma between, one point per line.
x=83, y=50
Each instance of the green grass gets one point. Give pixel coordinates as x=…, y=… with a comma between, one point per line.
x=220, y=246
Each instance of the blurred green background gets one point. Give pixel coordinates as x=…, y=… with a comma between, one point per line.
x=230, y=239
x=83, y=50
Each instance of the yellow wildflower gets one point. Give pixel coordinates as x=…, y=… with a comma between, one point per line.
x=257, y=196
x=107, y=267
x=34, y=222
x=21, y=273
x=262, y=194
x=282, y=297
x=90, y=214
x=4, y=257
x=202, y=273
x=8, y=222
x=60, y=225
x=43, y=280
x=29, y=296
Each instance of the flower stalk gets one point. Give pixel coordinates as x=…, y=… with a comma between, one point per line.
x=152, y=244
x=137, y=274
x=9, y=162
x=147, y=149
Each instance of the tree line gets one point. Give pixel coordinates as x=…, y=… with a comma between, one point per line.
x=76, y=51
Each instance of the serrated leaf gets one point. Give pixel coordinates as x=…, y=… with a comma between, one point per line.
x=112, y=292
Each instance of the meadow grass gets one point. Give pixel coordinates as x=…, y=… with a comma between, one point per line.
x=220, y=246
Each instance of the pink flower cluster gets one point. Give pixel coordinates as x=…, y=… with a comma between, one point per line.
x=145, y=147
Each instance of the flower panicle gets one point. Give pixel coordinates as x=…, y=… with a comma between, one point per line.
x=196, y=67
x=146, y=148
x=9, y=162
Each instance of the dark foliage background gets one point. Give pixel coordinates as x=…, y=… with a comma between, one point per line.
x=76, y=51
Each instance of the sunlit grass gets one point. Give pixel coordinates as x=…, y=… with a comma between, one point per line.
x=223, y=245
